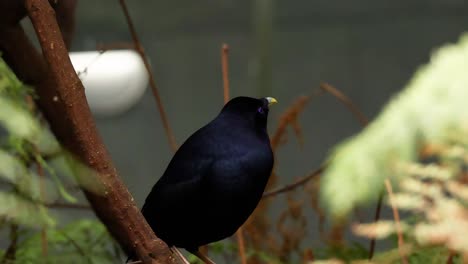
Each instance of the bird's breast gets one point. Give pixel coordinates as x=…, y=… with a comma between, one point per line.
x=243, y=175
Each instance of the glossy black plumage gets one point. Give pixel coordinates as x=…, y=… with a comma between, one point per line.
x=216, y=178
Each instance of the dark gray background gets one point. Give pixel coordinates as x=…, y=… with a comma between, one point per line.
x=368, y=49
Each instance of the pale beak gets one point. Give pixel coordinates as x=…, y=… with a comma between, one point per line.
x=271, y=100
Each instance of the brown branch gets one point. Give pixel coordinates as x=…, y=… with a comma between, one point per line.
x=154, y=88
x=295, y=184
x=63, y=102
x=401, y=242
x=241, y=245
x=225, y=70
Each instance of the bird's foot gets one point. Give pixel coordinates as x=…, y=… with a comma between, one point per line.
x=202, y=256
x=179, y=254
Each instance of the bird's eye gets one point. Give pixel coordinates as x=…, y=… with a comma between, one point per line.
x=260, y=110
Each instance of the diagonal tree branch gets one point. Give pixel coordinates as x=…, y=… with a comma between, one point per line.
x=63, y=102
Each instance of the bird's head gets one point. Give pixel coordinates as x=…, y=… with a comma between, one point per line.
x=253, y=110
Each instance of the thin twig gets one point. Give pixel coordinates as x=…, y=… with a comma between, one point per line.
x=241, y=245
x=42, y=187
x=346, y=101
x=154, y=88
x=225, y=70
x=276, y=139
x=82, y=73
x=376, y=218
x=401, y=242
x=179, y=254
x=295, y=184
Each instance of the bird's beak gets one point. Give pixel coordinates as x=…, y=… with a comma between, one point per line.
x=271, y=100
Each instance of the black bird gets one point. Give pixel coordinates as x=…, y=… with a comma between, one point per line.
x=215, y=179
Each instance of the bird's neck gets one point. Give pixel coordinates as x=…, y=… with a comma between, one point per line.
x=241, y=121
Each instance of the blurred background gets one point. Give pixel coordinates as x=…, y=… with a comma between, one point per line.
x=367, y=49
x=285, y=49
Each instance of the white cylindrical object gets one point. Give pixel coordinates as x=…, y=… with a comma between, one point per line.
x=114, y=80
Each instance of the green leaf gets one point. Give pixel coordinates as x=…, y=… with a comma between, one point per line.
x=17, y=120
x=81, y=173
x=63, y=192
x=19, y=210
x=11, y=169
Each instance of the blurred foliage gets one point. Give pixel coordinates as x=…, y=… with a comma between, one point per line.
x=21, y=196
x=430, y=110
x=35, y=173
x=83, y=241
x=420, y=143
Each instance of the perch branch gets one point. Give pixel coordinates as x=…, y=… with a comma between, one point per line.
x=154, y=88
x=63, y=102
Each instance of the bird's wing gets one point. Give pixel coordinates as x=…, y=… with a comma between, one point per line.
x=181, y=183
